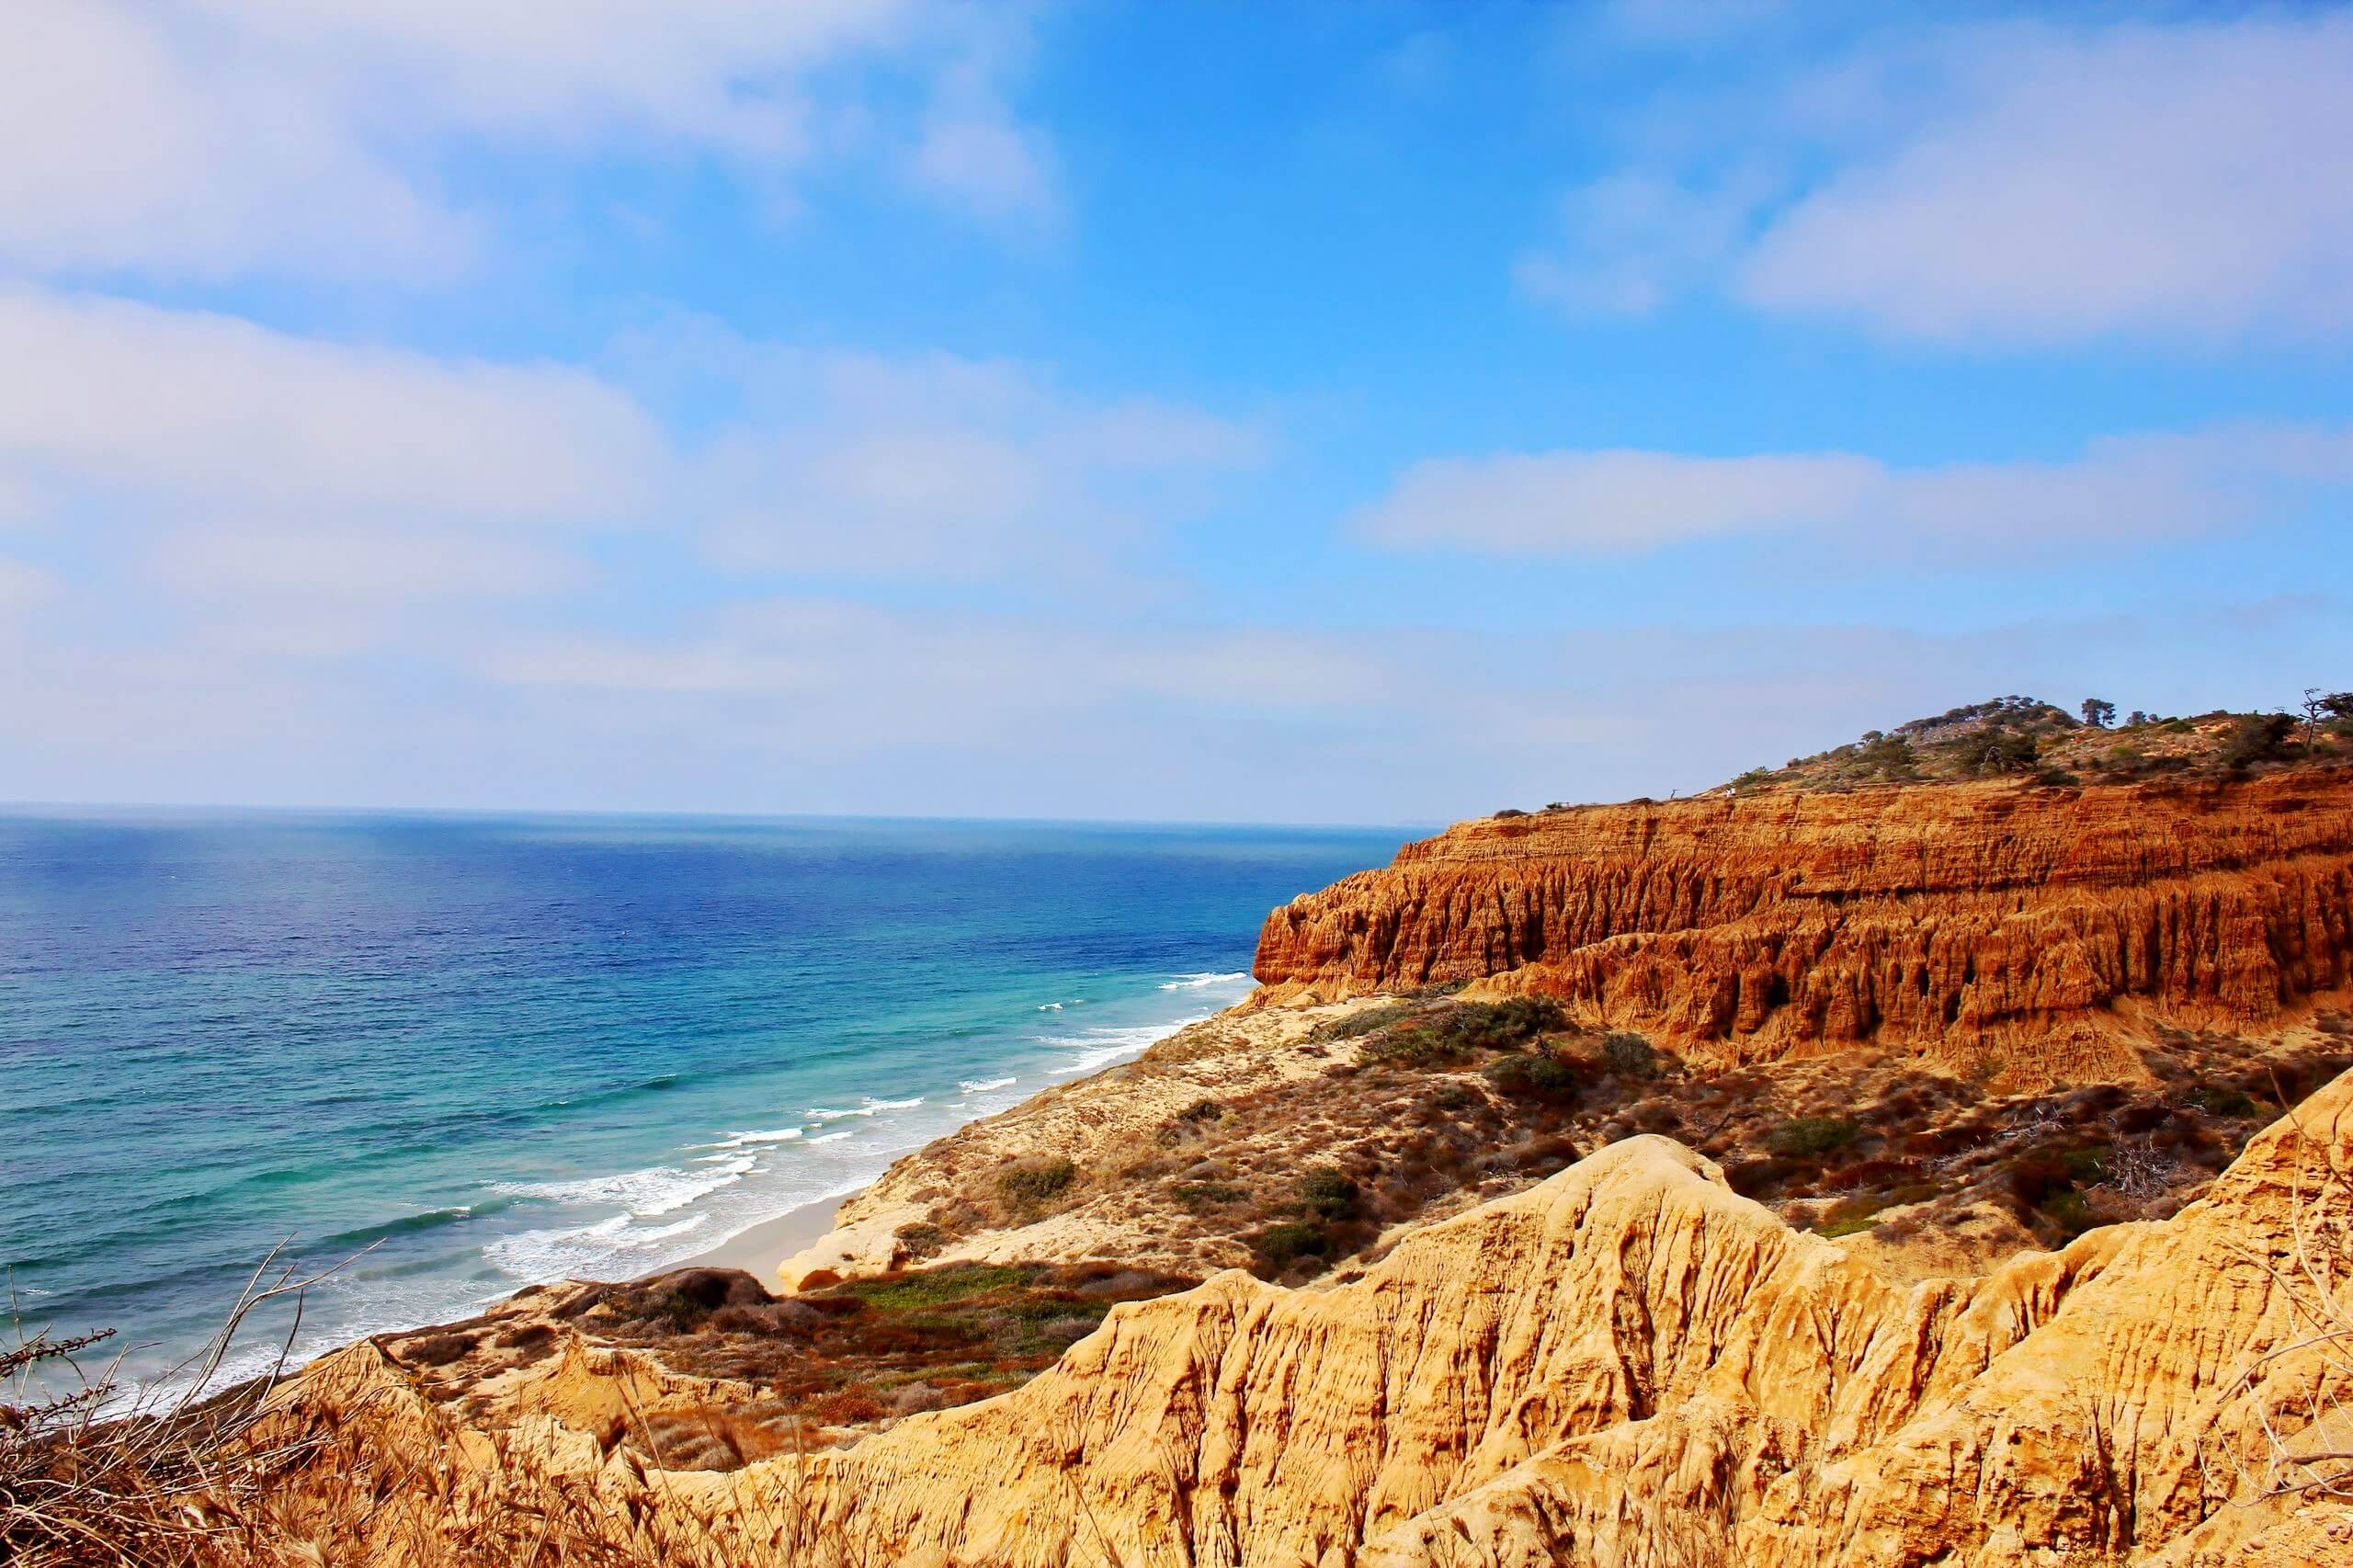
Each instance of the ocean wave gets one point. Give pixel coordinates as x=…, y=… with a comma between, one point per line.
x=658, y=1189
x=983, y=1085
x=582, y=1252
x=1101, y=1047
x=738, y=1140
x=833, y=1137
x=824, y=1113
x=1201, y=981
x=428, y=1219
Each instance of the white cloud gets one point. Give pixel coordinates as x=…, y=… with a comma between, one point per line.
x=206, y=413
x=2002, y=183
x=1570, y=503
x=243, y=487
x=23, y=587
x=1630, y=241
x=931, y=464
x=2175, y=182
x=1607, y=501
x=134, y=143
x=213, y=138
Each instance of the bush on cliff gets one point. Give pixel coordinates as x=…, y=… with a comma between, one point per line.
x=1629, y=1056
x=1810, y=1136
x=1533, y=1077
x=1029, y=1183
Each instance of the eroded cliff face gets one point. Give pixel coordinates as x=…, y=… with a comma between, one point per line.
x=1963, y=922
x=1629, y=1365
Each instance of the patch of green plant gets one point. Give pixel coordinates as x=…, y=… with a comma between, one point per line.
x=2089, y=1166
x=2223, y=1100
x=1028, y=1186
x=935, y=1287
x=1417, y=1046
x=1808, y=1136
x=1854, y=1226
x=1364, y=1021
x=1532, y=1077
x=1498, y=1026
x=1206, y=1194
x=1202, y=1111
x=1629, y=1055
x=1281, y=1245
x=2069, y=1212
x=1327, y=1191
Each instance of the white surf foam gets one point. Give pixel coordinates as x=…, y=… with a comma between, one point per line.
x=983, y=1085
x=738, y=1140
x=658, y=1189
x=826, y=1113
x=1202, y=981
x=1101, y=1047
x=583, y=1251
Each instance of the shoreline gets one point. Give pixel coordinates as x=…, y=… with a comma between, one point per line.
x=760, y=1250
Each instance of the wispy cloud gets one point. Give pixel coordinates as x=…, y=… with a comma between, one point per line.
x=2122, y=488
x=218, y=139
x=310, y=495
x=2003, y=185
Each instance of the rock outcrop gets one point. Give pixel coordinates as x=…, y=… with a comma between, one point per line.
x=1628, y=1365
x=1965, y=923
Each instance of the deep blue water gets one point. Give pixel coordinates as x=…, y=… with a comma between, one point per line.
x=510, y=1049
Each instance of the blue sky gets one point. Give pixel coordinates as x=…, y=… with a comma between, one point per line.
x=1310, y=412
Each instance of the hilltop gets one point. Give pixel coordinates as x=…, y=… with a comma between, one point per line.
x=2025, y=737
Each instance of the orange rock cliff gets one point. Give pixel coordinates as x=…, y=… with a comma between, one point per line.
x=1960, y=921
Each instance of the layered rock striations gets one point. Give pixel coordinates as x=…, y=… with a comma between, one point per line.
x=1628, y=1365
x=1959, y=922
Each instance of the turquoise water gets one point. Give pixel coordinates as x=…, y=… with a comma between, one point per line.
x=483, y=1051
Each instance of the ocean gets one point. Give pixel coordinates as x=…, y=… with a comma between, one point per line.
x=457, y=1054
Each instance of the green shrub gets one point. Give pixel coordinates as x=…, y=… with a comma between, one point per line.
x=1281, y=1245
x=2069, y=1212
x=1363, y=1021
x=1418, y=1046
x=1028, y=1184
x=1850, y=1216
x=922, y=1238
x=1499, y=1026
x=1202, y=1111
x=2223, y=1100
x=1327, y=1190
x=1629, y=1056
x=1531, y=1077
x=2255, y=737
x=1206, y=1194
x=1809, y=1136
x=2088, y=1166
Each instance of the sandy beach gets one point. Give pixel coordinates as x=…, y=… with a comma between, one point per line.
x=759, y=1250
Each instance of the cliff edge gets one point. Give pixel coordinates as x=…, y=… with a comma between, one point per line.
x=1967, y=923
x=1629, y=1364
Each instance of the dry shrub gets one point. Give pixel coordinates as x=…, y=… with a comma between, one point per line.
x=102, y=1476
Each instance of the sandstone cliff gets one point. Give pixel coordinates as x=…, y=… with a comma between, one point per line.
x=1965, y=923
x=1628, y=1365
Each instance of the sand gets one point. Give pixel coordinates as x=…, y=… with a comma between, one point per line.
x=758, y=1250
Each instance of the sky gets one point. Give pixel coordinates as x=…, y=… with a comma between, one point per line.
x=1372, y=413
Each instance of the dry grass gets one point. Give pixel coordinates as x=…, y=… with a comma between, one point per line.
x=2296, y=1397
x=99, y=1474
x=260, y=1475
